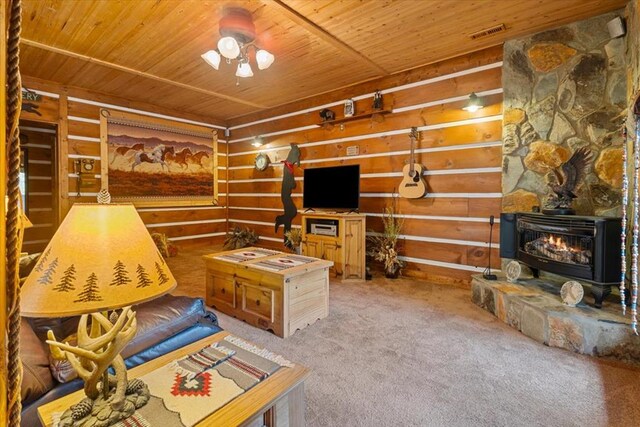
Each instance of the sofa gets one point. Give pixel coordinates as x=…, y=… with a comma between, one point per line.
x=164, y=325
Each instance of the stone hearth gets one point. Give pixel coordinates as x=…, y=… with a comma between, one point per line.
x=534, y=307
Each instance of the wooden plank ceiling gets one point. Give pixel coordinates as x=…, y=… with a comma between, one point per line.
x=149, y=50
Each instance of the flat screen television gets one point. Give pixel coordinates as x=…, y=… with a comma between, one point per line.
x=336, y=187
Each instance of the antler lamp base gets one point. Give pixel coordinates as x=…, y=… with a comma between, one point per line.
x=110, y=398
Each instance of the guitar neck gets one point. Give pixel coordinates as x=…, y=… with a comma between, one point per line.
x=412, y=160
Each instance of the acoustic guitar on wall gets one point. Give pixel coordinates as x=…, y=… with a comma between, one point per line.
x=412, y=185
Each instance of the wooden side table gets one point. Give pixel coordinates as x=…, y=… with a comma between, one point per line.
x=277, y=401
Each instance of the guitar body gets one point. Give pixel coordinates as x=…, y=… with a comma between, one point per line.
x=412, y=185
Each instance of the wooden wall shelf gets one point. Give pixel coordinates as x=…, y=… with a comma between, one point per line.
x=354, y=117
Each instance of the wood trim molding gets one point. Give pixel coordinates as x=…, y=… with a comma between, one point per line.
x=323, y=34
x=62, y=156
x=133, y=71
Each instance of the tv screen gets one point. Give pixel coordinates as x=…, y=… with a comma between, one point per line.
x=336, y=187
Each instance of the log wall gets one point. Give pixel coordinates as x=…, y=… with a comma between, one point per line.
x=446, y=232
x=76, y=114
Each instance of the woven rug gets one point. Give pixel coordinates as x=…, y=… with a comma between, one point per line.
x=247, y=255
x=283, y=263
x=189, y=389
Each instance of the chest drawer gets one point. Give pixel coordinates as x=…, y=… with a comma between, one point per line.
x=220, y=290
x=257, y=300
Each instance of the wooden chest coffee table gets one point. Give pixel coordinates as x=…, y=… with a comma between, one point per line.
x=271, y=290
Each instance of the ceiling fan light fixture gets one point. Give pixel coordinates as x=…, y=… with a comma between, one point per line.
x=473, y=104
x=229, y=47
x=264, y=59
x=237, y=38
x=257, y=141
x=212, y=58
x=244, y=70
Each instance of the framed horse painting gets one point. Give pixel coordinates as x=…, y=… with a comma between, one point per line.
x=155, y=162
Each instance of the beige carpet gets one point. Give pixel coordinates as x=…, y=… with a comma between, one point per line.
x=409, y=353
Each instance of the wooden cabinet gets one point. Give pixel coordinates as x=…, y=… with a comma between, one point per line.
x=346, y=248
x=281, y=301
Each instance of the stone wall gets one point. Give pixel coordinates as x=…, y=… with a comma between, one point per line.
x=564, y=89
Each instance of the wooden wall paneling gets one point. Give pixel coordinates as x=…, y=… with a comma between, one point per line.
x=439, y=274
x=189, y=229
x=39, y=233
x=262, y=216
x=83, y=148
x=482, y=157
x=157, y=216
x=84, y=129
x=436, y=138
x=439, y=114
x=476, y=82
x=455, y=183
x=42, y=216
x=441, y=229
x=261, y=201
x=472, y=256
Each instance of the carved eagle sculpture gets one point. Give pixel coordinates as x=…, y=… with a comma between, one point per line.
x=569, y=176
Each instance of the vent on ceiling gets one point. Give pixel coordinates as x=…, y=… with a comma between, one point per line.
x=488, y=32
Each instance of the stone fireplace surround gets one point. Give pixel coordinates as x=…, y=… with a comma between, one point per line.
x=564, y=89
x=533, y=306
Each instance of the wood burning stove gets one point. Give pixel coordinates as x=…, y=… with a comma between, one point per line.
x=580, y=247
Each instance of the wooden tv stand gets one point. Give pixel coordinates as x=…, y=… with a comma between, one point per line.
x=345, y=247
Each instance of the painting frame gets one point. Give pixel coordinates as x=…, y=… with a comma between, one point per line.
x=108, y=116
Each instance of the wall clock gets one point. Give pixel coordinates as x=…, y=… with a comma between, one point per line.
x=262, y=162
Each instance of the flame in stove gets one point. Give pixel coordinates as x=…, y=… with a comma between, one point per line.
x=558, y=243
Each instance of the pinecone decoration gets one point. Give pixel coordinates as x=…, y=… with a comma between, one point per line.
x=135, y=386
x=82, y=409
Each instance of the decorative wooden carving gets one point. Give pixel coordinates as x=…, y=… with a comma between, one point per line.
x=288, y=184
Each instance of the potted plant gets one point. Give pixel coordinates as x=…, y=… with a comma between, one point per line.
x=240, y=237
x=383, y=247
x=294, y=239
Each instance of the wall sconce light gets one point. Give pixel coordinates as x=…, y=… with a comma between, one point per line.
x=473, y=104
x=257, y=141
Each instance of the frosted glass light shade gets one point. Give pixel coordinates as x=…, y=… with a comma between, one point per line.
x=244, y=70
x=212, y=58
x=100, y=258
x=264, y=59
x=229, y=47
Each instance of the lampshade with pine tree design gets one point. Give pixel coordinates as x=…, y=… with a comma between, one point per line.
x=100, y=258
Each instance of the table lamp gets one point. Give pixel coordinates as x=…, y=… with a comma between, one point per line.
x=99, y=263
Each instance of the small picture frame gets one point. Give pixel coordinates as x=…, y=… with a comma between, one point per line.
x=349, y=108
